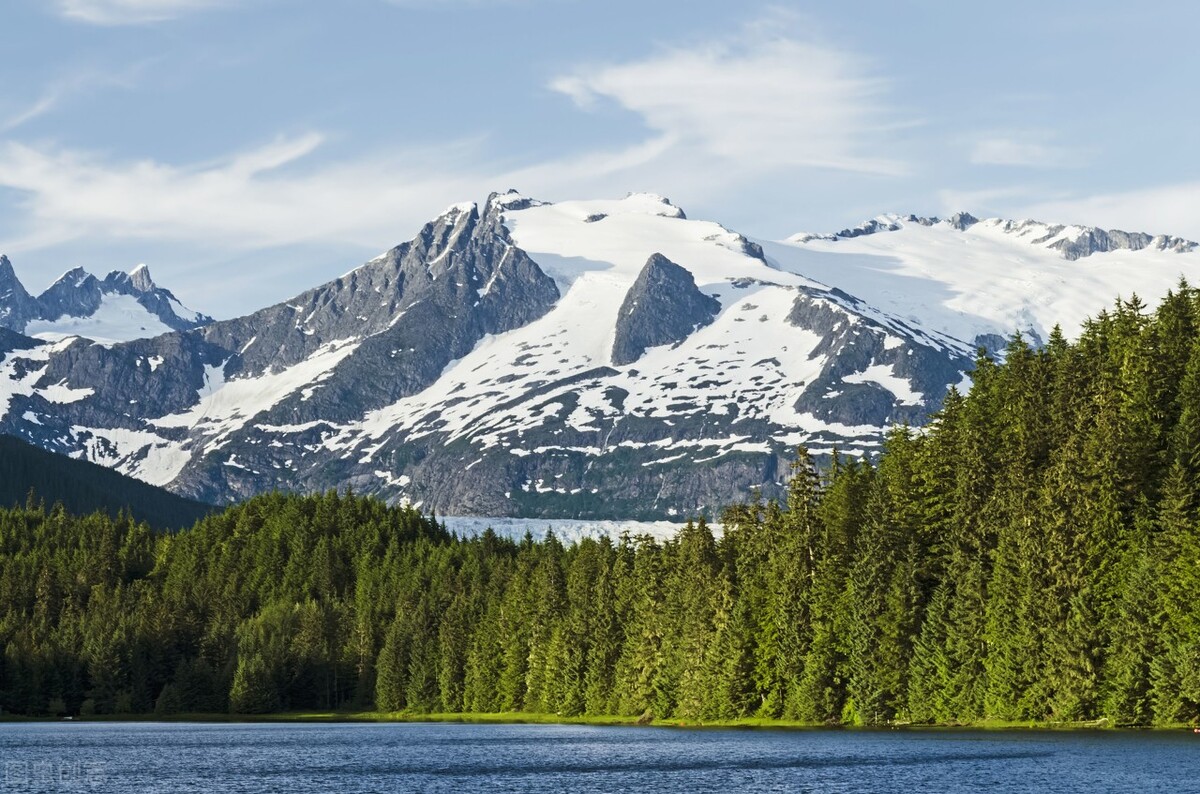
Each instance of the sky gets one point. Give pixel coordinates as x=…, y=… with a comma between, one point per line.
x=247, y=150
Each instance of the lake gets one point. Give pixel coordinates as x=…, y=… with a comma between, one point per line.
x=350, y=758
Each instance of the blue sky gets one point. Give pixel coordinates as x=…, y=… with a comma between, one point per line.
x=248, y=149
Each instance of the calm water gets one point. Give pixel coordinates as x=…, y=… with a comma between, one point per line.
x=463, y=758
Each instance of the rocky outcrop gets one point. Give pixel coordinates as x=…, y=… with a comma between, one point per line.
x=664, y=306
x=78, y=294
x=17, y=307
x=1094, y=241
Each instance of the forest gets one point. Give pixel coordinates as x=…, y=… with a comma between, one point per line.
x=82, y=487
x=1033, y=554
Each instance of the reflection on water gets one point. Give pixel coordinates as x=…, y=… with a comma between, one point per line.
x=347, y=758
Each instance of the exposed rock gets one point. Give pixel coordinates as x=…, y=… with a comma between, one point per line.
x=79, y=294
x=17, y=307
x=662, y=307
x=962, y=221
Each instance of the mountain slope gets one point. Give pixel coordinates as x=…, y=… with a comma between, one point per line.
x=84, y=488
x=587, y=359
x=119, y=308
x=976, y=279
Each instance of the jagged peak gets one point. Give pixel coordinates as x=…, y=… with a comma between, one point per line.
x=141, y=279
x=75, y=277
x=138, y=279
x=512, y=200
x=11, y=288
x=457, y=211
x=961, y=220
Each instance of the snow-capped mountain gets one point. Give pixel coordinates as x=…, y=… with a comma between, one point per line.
x=118, y=308
x=587, y=359
x=977, y=280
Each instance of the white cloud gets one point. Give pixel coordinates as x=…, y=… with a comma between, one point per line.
x=266, y=196
x=984, y=202
x=1023, y=149
x=131, y=12
x=65, y=87
x=762, y=104
x=721, y=117
x=1165, y=209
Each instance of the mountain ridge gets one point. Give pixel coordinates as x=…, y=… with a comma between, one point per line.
x=118, y=308
x=585, y=359
x=1073, y=241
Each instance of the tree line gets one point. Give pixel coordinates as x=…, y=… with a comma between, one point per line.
x=1032, y=554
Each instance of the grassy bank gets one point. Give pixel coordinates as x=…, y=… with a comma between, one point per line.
x=533, y=718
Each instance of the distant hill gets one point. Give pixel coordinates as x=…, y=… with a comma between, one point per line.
x=84, y=487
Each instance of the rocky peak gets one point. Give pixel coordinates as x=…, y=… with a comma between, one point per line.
x=76, y=293
x=438, y=237
x=140, y=278
x=17, y=306
x=664, y=306
x=962, y=221
x=10, y=285
x=511, y=200
x=1092, y=241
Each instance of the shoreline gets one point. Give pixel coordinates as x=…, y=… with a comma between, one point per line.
x=528, y=718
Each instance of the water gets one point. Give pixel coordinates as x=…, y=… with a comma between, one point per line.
x=351, y=758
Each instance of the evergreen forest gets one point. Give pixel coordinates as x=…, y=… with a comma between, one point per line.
x=82, y=487
x=1031, y=555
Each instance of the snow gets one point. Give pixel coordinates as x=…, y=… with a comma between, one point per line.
x=225, y=406
x=996, y=277
x=885, y=376
x=183, y=312
x=63, y=394
x=10, y=385
x=934, y=284
x=724, y=364
x=461, y=208
x=136, y=453
x=119, y=318
x=566, y=529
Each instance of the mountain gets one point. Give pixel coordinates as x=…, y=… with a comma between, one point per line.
x=118, y=308
x=975, y=279
x=84, y=488
x=607, y=359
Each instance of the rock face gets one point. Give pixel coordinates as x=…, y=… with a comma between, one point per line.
x=663, y=307
x=595, y=359
x=80, y=304
x=17, y=307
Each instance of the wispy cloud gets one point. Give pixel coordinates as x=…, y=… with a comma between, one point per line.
x=269, y=195
x=762, y=104
x=1163, y=209
x=1158, y=209
x=719, y=116
x=64, y=88
x=985, y=201
x=131, y=12
x=1025, y=149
